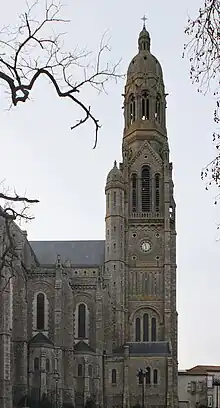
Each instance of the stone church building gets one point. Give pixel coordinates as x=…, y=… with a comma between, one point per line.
x=80, y=319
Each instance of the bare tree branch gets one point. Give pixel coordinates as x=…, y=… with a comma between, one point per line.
x=203, y=51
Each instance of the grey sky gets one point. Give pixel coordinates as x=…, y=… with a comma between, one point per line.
x=42, y=156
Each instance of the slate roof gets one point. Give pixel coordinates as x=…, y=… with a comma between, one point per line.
x=79, y=253
x=83, y=347
x=160, y=348
x=40, y=338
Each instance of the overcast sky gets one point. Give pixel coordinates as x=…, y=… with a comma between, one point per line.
x=40, y=155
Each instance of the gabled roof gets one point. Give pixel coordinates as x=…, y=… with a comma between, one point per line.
x=82, y=347
x=40, y=338
x=79, y=253
x=203, y=369
x=160, y=348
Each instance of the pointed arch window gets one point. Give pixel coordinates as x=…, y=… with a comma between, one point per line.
x=158, y=108
x=132, y=109
x=138, y=329
x=145, y=327
x=82, y=321
x=157, y=192
x=36, y=364
x=146, y=189
x=134, y=192
x=145, y=111
x=155, y=377
x=40, y=311
x=47, y=365
x=148, y=375
x=153, y=329
x=114, y=376
x=80, y=370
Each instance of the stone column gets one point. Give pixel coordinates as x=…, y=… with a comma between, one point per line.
x=43, y=375
x=5, y=340
x=86, y=381
x=126, y=402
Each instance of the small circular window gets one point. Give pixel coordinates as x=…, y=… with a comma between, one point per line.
x=157, y=257
x=134, y=257
x=134, y=235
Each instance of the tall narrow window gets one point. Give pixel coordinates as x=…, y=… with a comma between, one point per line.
x=80, y=370
x=114, y=198
x=108, y=200
x=157, y=192
x=145, y=327
x=157, y=108
x=47, y=365
x=155, y=377
x=114, y=376
x=138, y=329
x=82, y=321
x=134, y=192
x=36, y=364
x=40, y=311
x=148, y=375
x=132, y=110
x=146, y=189
x=90, y=370
x=145, y=106
x=153, y=329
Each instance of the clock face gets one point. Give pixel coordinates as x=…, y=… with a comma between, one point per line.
x=145, y=246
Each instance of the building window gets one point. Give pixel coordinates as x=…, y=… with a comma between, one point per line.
x=145, y=327
x=47, y=365
x=36, y=364
x=157, y=109
x=80, y=370
x=148, y=375
x=82, y=321
x=155, y=377
x=146, y=189
x=153, y=329
x=114, y=198
x=108, y=200
x=114, y=376
x=90, y=370
x=132, y=110
x=134, y=192
x=40, y=311
x=138, y=329
x=157, y=192
x=145, y=106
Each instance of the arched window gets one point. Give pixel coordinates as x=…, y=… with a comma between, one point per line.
x=146, y=189
x=114, y=376
x=90, y=370
x=134, y=192
x=155, y=379
x=40, y=311
x=157, y=192
x=145, y=106
x=36, y=364
x=132, y=110
x=114, y=198
x=138, y=329
x=80, y=370
x=157, y=108
x=148, y=375
x=82, y=321
x=47, y=365
x=108, y=200
x=153, y=329
x=145, y=327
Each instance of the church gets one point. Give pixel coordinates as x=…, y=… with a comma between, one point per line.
x=96, y=320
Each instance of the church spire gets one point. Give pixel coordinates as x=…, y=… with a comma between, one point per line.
x=144, y=38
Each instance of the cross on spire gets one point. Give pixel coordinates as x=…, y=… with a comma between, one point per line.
x=144, y=18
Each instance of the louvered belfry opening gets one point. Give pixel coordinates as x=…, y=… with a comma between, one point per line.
x=146, y=189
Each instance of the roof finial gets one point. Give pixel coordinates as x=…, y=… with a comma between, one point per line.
x=144, y=18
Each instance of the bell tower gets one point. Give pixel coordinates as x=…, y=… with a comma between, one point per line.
x=150, y=233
